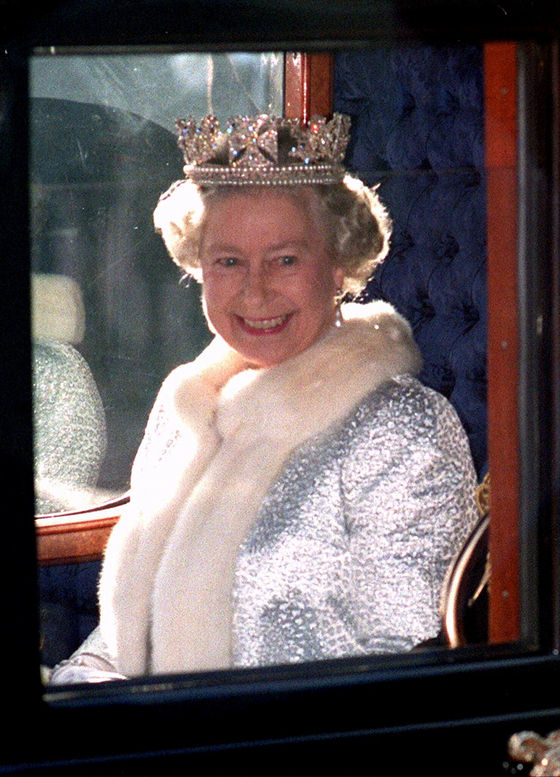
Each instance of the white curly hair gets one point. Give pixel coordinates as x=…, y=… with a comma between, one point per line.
x=355, y=222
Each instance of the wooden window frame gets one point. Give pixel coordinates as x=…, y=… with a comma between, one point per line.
x=71, y=538
x=500, y=94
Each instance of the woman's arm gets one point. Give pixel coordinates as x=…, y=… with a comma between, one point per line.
x=92, y=661
x=409, y=493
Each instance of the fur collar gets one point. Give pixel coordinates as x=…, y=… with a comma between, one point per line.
x=166, y=585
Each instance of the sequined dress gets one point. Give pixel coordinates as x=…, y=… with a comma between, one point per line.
x=351, y=547
x=350, y=539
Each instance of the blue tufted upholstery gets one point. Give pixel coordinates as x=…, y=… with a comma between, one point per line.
x=418, y=132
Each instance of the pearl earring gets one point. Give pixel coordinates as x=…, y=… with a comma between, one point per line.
x=338, y=311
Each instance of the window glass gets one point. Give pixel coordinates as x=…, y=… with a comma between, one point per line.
x=111, y=313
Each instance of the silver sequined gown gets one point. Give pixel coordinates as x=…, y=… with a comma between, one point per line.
x=351, y=545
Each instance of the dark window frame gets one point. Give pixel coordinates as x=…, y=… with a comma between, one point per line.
x=456, y=709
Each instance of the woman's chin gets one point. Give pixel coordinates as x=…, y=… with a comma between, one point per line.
x=265, y=352
x=261, y=360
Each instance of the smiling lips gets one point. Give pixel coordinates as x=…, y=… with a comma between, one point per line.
x=264, y=326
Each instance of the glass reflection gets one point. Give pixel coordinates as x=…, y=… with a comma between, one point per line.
x=111, y=315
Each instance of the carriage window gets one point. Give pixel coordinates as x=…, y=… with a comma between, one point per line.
x=436, y=131
x=111, y=315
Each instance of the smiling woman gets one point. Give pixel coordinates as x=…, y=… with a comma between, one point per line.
x=298, y=495
x=269, y=280
x=266, y=254
x=430, y=123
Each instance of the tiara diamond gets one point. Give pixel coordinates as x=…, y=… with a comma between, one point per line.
x=323, y=140
x=198, y=142
x=252, y=142
x=264, y=150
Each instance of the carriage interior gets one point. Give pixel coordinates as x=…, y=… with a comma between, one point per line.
x=112, y=316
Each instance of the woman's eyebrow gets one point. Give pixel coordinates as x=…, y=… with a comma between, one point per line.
x=287, y=244
x=222, y=248
x=233, y=249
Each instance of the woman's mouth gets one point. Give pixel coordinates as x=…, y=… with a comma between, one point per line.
x=264, y=326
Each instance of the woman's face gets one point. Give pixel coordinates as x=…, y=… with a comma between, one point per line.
x=269, y=281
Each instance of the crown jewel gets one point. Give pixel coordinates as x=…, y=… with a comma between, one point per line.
x=264, y=150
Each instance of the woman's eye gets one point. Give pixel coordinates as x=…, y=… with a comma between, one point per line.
x=287, y=261
x=228, y=261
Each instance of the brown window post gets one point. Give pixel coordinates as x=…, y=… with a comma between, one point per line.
x=500, y=69
x=308, y=85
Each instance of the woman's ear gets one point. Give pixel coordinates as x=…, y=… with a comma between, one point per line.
x=339, y=275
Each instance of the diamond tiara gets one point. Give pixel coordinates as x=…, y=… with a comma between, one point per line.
x=264, y=150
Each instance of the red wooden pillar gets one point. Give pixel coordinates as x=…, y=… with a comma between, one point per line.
x=308, y=85
x=500, y=72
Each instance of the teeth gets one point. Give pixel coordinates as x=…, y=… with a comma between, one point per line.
x=266, y=323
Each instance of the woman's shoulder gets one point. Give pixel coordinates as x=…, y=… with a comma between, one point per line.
x=408, y=437
x=407, y=398
x=403, y=412
x=163, y=430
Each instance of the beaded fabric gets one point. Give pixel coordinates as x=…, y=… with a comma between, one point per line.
x=264, y=150
x=351, y=545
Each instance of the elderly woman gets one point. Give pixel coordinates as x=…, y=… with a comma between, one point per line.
x=298, y=494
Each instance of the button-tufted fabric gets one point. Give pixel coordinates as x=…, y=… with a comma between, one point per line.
x=418, y=132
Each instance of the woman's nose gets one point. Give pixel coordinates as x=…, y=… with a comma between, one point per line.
x=256, y=289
